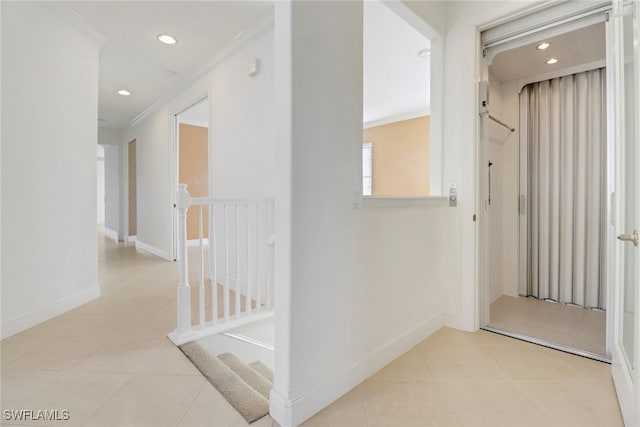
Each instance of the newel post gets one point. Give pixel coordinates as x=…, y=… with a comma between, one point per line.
x=183, y=199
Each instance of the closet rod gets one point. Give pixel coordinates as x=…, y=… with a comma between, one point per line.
x=502, y=123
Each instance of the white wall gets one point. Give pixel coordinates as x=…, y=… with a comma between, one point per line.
x=113, y=172
x=243, y=128
x=503, y=222
x=111, y=139
x=497, y=135
x=49, y=135
x=356, y=287
x=110, y=136
x=462, y=72
x=510, y=190
x=241, y=131
x=100, y=185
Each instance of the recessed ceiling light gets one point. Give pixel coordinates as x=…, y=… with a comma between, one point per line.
x=124, y=92
x=167, y=39
x=552, y=61
x=543, y=45
x=424, y=53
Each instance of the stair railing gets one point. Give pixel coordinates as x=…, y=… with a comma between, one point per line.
x=233, y=265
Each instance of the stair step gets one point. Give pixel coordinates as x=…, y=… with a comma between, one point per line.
x=250, y=403
x=263, y=369
x=247, y=373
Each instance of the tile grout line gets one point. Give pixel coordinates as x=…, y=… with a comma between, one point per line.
x=188, y=408
x=107, y=400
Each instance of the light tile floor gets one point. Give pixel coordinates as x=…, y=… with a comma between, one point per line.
x=557, y=323
x=110, y=364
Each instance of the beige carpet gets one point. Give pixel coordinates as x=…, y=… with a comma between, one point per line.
x=249, y=375
x=235, y=383
x=263, y=369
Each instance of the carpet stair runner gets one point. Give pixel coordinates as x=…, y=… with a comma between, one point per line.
x=245, y=386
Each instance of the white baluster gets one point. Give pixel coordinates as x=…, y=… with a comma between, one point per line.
x=226, y=260
x=248, y=297
x=237, y=262
x=270, y=253
x=201, y=296
x=259, y=258
x=183, y=200
x=213, y=265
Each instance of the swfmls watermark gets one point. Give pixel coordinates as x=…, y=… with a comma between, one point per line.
x=36, y=415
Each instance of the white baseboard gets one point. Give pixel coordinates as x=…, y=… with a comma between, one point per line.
x=18, y=324
x=152, y=250
x=454, y=321
x=196, y=242
x=111, y=233
x=290, y=413
x=131, y=239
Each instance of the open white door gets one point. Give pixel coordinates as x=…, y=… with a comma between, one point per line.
x=626, y=324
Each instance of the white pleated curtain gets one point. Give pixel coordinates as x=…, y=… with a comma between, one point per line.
x=562, y=124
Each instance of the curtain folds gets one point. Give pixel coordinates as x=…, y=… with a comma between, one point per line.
x=563, y=131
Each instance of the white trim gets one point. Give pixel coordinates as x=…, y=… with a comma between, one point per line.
x=293, y=412
x=411, y=18
x=396, y=118
x=193, y=122
x=25, y=321
x=77, y=21
x=130, y=239
x=152, y=250
x=249, y=340
x=371, y=202
x=196, y=242
x=236, y=44
x=175, y=162
x=111, y=233
x=537, y=18
x=196, y=333
x=456, y=321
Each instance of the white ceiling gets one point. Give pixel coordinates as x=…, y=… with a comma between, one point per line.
x=575, y=48
x=396, y=79
x=133, y=58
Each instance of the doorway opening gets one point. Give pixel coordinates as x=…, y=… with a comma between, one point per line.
x=191, y=161
x=133, y=198
x=546, y=183
x=401, y=58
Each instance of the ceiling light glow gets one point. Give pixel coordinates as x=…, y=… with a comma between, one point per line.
x=167, y=39
x=543, y=45
x=552, y=61
x=124, y=92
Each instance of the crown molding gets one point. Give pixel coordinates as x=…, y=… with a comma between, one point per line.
x=397, y=118
x=78, y=22
x=236, y=44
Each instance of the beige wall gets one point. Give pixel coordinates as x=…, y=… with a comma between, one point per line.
x=193, y=170
x=400, y=157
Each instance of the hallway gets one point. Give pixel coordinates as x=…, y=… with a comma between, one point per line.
x=109, y=363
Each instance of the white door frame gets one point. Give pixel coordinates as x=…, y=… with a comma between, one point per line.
x=174, y=162
x=627, y=381
x=482, y=252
